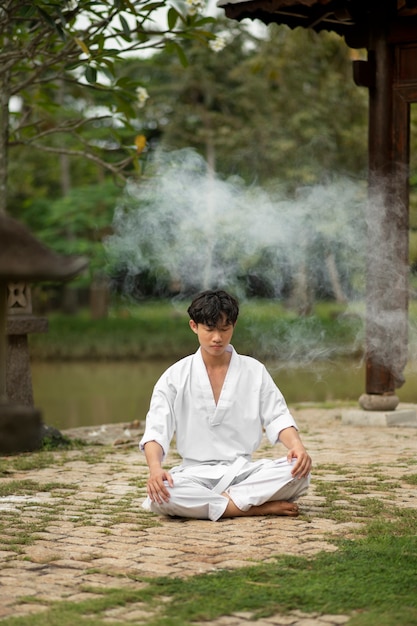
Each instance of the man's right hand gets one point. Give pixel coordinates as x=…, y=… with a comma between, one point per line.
x=157, y=485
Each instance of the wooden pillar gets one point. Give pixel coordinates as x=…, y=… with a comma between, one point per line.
x=387, y=222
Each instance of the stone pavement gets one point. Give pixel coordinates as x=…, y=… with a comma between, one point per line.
x=81, y=512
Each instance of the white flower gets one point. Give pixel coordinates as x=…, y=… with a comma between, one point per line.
x=217, y=44
x=194, y=6
x=142, y=96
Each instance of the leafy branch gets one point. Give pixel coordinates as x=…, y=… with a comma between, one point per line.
x=57, y=56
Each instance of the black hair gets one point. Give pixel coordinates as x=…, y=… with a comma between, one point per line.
x=210, y=307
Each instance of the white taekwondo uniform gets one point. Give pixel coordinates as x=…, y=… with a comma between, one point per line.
x=217, y=441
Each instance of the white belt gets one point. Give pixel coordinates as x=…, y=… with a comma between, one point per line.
x=230, y=474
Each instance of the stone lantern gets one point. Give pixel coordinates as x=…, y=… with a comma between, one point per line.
x=23, y=260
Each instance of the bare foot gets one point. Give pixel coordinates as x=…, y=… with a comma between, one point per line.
x=281, y=507
x=276, y=507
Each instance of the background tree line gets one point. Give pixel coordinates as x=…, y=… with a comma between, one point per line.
x=273, y=109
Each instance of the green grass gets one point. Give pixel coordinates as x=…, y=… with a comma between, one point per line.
x=26, y=487
x=372, y=579
x=366, y=575
x=156, y=330
x=140, y=332
x=410, y=479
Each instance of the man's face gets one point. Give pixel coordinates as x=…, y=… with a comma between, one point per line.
x=213, y=340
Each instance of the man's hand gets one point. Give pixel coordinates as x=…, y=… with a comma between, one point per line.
x=156, y=487
x=303, y=465
x=158, y=477
x=291, y=439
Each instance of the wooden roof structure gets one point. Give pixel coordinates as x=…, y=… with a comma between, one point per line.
x=387, y=29
x=352, y=19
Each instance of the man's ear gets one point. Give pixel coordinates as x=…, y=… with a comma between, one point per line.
x=193, y=326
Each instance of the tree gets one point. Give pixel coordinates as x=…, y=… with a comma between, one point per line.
x=256, y=109
x=58, y=57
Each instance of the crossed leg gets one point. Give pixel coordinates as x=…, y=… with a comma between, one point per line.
x=271, y=490
x=272, y=507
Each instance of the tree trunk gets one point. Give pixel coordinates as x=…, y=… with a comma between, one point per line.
x=4, y=135
x=338, y=292
x=301, y=299
x=65, y=170
x=3, y=340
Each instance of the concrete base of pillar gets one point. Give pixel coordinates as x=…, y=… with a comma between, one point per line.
x=378, y=402
x=406, y=417
x=20, y=428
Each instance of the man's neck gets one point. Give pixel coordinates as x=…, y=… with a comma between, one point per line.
x=216, y=362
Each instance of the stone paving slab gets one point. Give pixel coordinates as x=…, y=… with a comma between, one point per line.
x=97, y=534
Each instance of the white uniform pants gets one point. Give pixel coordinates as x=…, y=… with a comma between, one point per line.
x=256, y=483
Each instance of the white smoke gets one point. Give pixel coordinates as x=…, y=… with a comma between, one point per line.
x=192, y=228
x=206, y=232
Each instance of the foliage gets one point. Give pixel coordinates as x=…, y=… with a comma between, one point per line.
x=77, y=223
x=245, y=111
x=258, y=108
x=57, y=68
x=243, y=108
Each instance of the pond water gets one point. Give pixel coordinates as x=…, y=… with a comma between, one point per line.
x=90, y=394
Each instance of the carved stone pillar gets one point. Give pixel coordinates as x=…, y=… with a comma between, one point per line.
x=20, y=323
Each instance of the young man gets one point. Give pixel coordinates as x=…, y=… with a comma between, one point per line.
x=218, y=404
